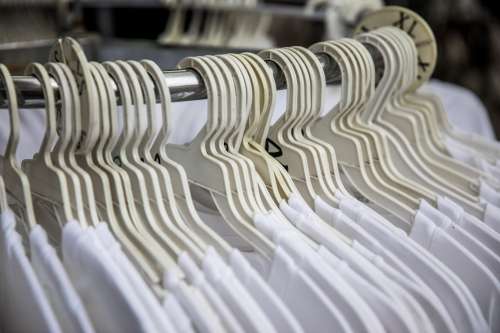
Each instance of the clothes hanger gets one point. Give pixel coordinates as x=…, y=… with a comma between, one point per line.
x=319, y=178
x=294, y=159
x=71, y=157
x=48, y=184
x=107, y=201
x=4, y=206
x=215, y=179
x=374, y=135
x=153, y=217
x=421, y=110
x=355, y=165
x=146, y=254
x=64, y=129
x=408, y=147
x=329, y=158
x=264, y=96
x=14, y=180
x=180, y=185
x=166, y=194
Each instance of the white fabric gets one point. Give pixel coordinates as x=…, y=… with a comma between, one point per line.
x=348, y=303
x=140, y=288
x=480, y=281
x=24, y=306
x=223, y=279
x=281, y=317
x=492, y=216
x=427, y=298
x=452, y=292
x=473, y=245
x=180, y=319
x=410, y=312
x=475, y=227
x=464, y=109
x=67, y=305
x=194, y=304
x=104, y=290
x=196, y=278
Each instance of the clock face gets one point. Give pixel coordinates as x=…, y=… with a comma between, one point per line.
x=415, y=26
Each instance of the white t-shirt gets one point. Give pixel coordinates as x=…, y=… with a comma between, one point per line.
x=351, y=306
x=203, y=316
x=281, y=317
x=67, y=305
x=489, y=194
x=480, y=281
x=475, y=227
x=425, y=296
x=492, y=216
x=140, y=288
x=180, y=319
x=409, y=310
x=453, y=293
x=24, y=305
x=474, y=246
x=107, y=295
x=196, y=278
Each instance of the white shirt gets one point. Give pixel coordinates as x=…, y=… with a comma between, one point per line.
x=426, y=297
x=474, y=246
x=323, y=234
x=24, y=305
x=140, y=288
x=480, y=281
x=475, y=227
x=67, y=305
x=347, y=301
x=105, y=292
x=180, y=319
x=204, y=317
x=239, y=299
x=196, y=278
x=453, y=293
x=276, y=310
x=492, y=216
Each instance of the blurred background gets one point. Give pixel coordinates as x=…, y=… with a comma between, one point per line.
x=467, y=32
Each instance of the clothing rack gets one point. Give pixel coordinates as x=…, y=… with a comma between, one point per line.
x=184, y=84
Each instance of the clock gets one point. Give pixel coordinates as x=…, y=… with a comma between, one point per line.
x=415, y=26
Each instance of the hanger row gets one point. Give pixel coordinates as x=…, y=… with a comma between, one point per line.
x=184, y=84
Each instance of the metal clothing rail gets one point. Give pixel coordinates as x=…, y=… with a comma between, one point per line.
x=184, y=85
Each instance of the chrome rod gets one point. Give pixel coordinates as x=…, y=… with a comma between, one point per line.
x=184, y=84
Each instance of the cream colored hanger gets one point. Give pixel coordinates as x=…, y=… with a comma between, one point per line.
x=357, y=167
x=294, y=159
x=416, y=160
x=328, y=156
x=153, y=217
x=420, y=108
x=65, y=131
x=121, y=214
x=4, y=206
x=14, y=180
x=180, y=185
x=158, y=173
x=48, y=183
x=215, y=177
x=256, y=131
x=71, y=157
x=374, y=135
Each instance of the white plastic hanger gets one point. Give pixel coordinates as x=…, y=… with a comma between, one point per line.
x=13, y=177
x=48, y=183
x=215, y=177
x=179, y=185
x=365, y=183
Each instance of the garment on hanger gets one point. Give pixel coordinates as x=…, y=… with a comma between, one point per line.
x=21, y=290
